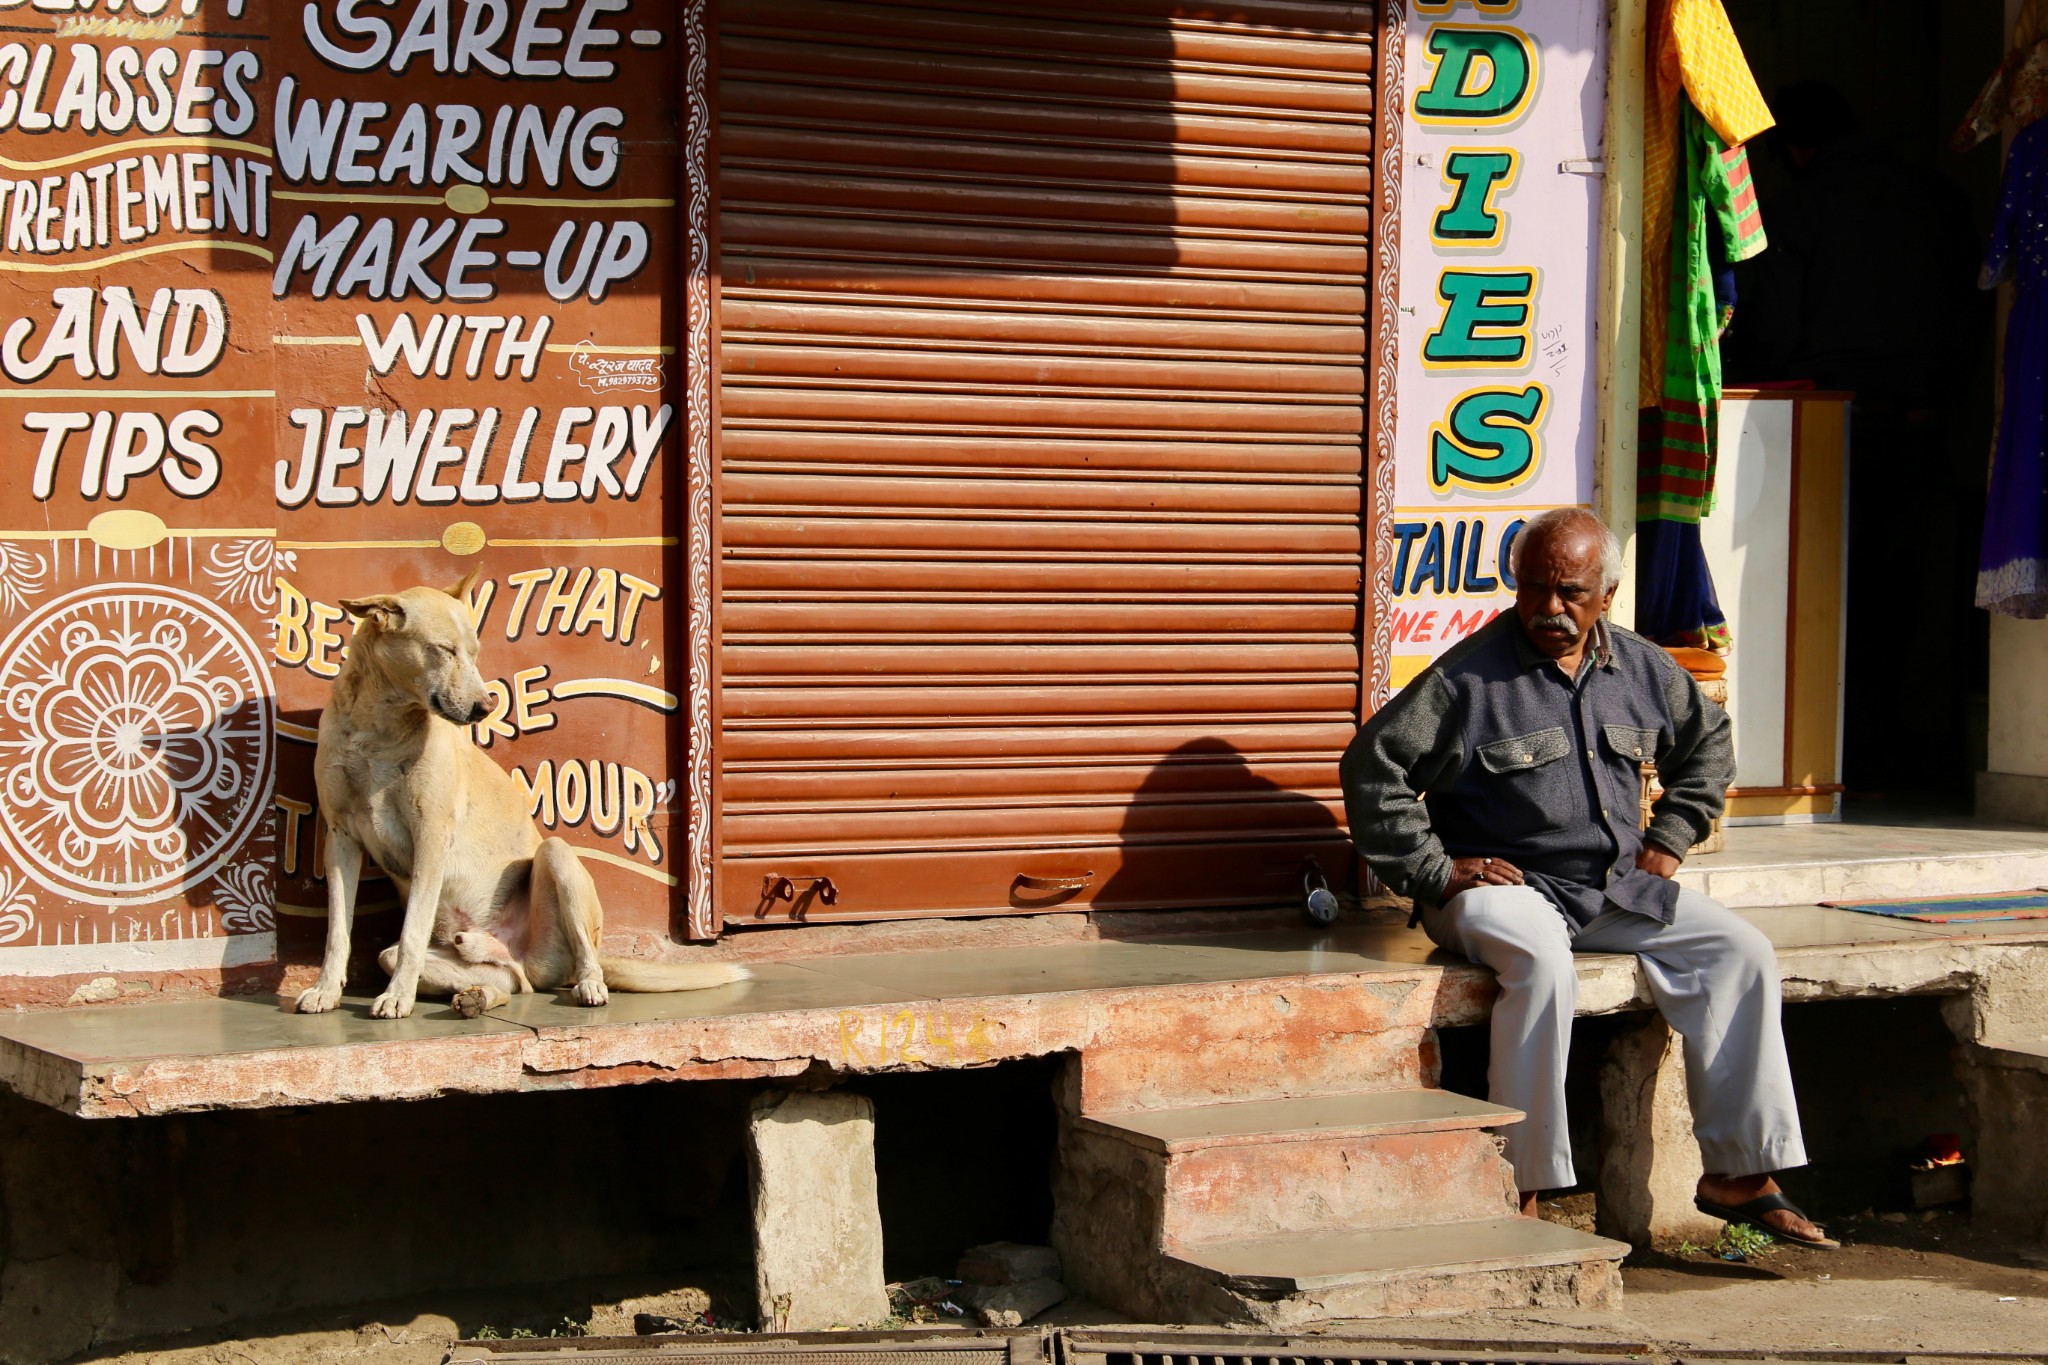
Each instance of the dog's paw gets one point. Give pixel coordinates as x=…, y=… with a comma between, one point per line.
x=318, y=1000
x=472, y=1002
x=390, y=1005
x=589, y=993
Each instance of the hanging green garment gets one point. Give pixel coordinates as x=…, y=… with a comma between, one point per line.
x=1695, y=66
x=1675, y=456
x=1714, y=223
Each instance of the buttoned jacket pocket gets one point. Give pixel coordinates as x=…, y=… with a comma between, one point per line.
x=1523, y=752
x=1631, y=743
x=1528, y=791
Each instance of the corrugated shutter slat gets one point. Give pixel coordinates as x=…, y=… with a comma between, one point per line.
x=1043, y=336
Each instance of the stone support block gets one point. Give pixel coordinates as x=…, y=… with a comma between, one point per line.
x=2006, y=1091
x=2001, y=1028
x=1107, y=1213
x=1012, y=1305
x=1649, y=1163
x=817, y=1220
x=2006, y=1003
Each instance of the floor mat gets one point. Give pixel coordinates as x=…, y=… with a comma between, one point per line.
x=1956, y=909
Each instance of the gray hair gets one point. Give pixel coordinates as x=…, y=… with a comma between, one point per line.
x=1564, y=520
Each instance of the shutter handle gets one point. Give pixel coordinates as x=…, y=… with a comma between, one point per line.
x=1076, y=882
x=776, y=887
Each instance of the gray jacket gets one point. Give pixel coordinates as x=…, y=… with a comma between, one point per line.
x=1514, y=760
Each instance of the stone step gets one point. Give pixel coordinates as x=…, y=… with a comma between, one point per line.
x=1285, y=1283
x=1806, y=864
x=1328, y=1163
x=1247, y=1122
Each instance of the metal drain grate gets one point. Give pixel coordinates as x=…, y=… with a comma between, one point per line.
x=1151, y=1346
x=1362, y=1356
x=1167, y=1346
x=1158, y=1349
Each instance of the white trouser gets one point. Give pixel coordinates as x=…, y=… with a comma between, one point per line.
x=1713, y=974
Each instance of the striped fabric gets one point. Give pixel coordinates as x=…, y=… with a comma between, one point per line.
x=1680, y=430
x=1956, y=909
x=1694, y=56
x=1698, y=202
x=1746, y=221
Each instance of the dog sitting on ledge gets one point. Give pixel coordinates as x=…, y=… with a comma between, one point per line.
x=490, y=905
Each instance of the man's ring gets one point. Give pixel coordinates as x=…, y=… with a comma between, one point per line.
x=1486, y=862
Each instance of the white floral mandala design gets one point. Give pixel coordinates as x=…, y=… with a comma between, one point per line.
x=17, y=908
x=247, y=896
x=21, y=576
x=135, y=742
x=246, y=571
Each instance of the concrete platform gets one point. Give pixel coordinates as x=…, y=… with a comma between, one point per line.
x=904, y=1012
x=1166, y=1021
x=1865, y=859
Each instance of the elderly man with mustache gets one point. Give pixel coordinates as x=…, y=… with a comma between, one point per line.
x=1500, y=790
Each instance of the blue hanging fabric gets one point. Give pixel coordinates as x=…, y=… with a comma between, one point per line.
x=2012, y=567
x=1675, y=602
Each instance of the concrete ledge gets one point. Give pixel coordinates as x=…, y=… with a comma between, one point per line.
x=2021, y=798
x=1806, y=882
x=1789, y=865
x=1144, y=1044
x=1244, y=1017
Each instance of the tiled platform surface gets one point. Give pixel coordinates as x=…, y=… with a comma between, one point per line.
x=909, y=1010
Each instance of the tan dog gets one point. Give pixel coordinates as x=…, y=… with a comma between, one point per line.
x=488, y=902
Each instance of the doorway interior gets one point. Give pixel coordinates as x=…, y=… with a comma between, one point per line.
x=1869, y=285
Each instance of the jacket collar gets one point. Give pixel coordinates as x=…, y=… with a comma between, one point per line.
x=1601, y=649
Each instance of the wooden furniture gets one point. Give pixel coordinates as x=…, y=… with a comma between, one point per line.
x=1776, y=542
x=1710, y=671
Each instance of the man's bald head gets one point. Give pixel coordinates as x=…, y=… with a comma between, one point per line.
x=1560, y=526
x=1567, y=565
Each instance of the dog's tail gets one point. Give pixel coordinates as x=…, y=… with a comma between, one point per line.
x=627, y=974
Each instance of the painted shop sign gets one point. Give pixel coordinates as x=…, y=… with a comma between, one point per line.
x=301, y=302
x=1500, y=198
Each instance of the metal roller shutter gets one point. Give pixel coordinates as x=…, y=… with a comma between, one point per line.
x=1043, y=335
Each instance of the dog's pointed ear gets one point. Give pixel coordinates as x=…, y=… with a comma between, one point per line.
x=461, y=591
x=385, y=612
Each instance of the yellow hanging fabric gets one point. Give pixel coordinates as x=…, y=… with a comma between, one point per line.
x=2030, y=26
x=2017, y=92
x=1693, y=54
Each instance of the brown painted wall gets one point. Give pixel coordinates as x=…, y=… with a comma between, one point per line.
x=417, y=288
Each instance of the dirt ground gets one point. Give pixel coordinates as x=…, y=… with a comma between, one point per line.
x=1919, y=1282
x=1928, y=1283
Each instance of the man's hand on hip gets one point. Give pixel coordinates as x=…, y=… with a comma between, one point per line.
x=1658, y=862
x=1467, y=873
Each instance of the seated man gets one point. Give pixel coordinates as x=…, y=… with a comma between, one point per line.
x=1524, y=744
